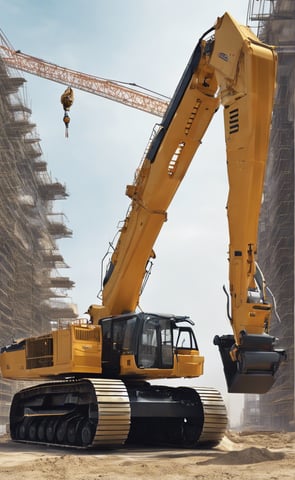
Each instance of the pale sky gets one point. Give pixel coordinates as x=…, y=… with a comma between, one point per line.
x=147, y=42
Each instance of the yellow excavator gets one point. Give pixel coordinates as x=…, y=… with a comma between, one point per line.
x=95, y=374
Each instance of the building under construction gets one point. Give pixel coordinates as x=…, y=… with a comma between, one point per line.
x=275, y=23
x=32, y=292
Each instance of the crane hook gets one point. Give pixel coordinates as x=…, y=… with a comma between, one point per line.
x=67, y=100
x=66, y=121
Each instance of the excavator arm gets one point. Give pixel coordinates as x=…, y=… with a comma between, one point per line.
x=235, y=69
x=246, y=73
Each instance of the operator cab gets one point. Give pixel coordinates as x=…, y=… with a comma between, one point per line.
x=150, y=339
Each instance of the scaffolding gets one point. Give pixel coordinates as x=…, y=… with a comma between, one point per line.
x=258, y=12
x=29, y=228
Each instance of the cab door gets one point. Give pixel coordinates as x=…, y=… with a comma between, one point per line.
x=155, y=347
x=118, y=338
x=112, y=334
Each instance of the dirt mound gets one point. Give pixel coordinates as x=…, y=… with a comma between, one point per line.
x=245, y=456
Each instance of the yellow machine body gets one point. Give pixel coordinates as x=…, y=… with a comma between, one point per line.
x=121, y=348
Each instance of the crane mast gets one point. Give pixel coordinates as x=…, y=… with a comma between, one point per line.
x=88, y=83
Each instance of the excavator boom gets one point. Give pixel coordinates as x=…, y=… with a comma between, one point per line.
x=160, y=174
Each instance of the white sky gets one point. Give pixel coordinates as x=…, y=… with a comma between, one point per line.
x=147, y=42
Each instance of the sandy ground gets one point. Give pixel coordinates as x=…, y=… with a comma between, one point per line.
x=253, y=456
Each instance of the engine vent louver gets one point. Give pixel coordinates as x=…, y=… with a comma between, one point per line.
x=234, y=121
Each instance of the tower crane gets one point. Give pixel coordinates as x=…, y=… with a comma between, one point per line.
x=102, y=87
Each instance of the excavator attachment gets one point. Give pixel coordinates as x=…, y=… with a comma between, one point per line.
x=256, y=362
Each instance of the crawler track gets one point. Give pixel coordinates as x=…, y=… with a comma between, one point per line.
x=82, y=413
x=215, y=417
x=101, y=413
x=114, y=413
